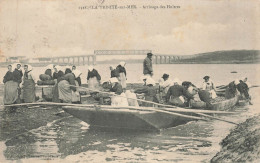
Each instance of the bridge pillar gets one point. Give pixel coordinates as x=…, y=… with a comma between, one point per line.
x=88, y=60
x=156, y=59
x=83, y=58
x=94, y=59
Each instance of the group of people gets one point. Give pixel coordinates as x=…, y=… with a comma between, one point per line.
x=20, y=87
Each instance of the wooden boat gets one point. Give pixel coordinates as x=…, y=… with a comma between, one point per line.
x=138, y=119
x=125, y=118
x=221, y=105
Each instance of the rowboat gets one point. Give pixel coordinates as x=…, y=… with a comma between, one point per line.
x=138, y=119
x=125, y=118
x=221, y=105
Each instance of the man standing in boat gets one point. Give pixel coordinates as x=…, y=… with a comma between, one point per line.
x=147, y=65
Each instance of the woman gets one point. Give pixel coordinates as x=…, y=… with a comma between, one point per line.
x=48, y=70
x=150, y=92
x=116, y=100
x=67, y=91
x=208, y=86
x=28, y=85
x=77, y=74
x=59, y=76
x=122, y=74
x=93, y=78
x=55, y=73
x=11, y=87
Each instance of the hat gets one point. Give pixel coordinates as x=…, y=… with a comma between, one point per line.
x=50, y=66
x=206, y=77
x=149, y=54
x=165, y=76
x=150, y=81
x=113, y=80
x=90, y=67
x=178, y=81
x=145, y=77
x=77, y=73
x=59, y=68
x=236, y=82
x=122, y=63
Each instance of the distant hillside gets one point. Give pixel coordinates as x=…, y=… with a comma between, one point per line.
x=231, y=57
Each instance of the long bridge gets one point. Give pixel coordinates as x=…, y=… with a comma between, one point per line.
x=92, y=58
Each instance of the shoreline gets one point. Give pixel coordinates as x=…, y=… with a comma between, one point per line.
x=242, y=144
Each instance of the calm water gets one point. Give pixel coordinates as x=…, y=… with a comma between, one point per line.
x=48, y=133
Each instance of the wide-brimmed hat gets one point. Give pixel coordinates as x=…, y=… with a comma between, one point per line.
x=165, y=76
x=206, y=77
x=149, y=54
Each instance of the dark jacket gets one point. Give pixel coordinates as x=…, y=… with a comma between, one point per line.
x=8, y=77
x=55, y=75
x=147, y=66
x=117, y=89
x=242, y=87
x=18, y=74
x=114, y=73
x=230, y=90
x=175, y=91
x=121, y=69
x=92, y=74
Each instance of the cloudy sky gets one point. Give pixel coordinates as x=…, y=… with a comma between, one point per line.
x=58, y=27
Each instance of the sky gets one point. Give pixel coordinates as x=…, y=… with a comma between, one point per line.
x=44, y=28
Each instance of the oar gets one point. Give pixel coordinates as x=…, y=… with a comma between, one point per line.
x=151, y=109
x=220, y=119
x=123, y=107
x=163, y=110
x=150, y=102
x=106, y=106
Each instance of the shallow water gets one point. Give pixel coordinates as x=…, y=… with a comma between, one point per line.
x=48, y=133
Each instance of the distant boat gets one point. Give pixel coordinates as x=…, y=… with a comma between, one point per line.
x=233, y=72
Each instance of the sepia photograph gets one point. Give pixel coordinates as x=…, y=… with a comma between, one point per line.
x=129, y=81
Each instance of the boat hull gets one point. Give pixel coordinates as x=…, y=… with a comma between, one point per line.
x=221, y=106
x=125, y=118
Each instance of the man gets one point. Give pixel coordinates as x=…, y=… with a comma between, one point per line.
x=147, y=65
x=243, y=89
